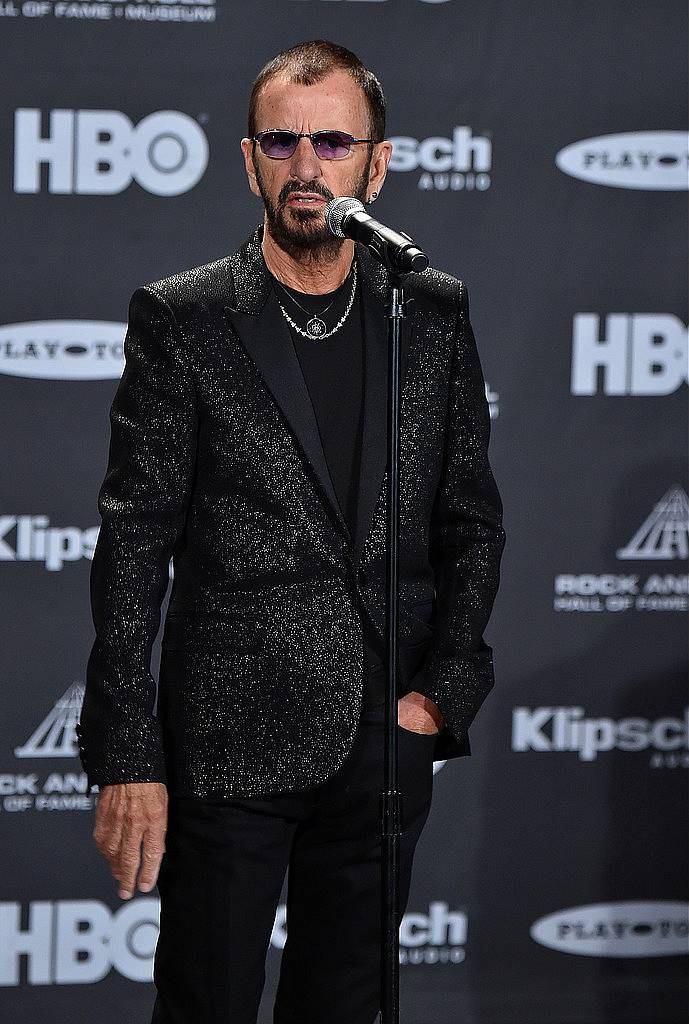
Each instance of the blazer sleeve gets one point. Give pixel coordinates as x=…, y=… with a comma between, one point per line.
x=466, y=542
x=142, y=502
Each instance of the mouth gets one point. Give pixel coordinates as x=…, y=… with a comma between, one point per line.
x=304, y=199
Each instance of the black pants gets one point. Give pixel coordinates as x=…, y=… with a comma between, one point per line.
x=222, y=874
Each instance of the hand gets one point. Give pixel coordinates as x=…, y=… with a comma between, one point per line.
x=128, y=814
x=418, y=713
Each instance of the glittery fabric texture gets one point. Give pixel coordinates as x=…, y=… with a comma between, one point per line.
x=215, y=468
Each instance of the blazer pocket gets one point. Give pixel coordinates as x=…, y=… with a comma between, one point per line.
x=420, y=629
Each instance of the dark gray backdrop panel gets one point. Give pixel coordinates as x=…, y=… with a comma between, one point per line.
x=515, y=835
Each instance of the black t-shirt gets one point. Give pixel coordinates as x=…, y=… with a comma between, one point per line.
x=333, y=369
x=333, y=372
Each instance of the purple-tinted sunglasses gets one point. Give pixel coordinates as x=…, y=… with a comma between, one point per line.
x=280, y=143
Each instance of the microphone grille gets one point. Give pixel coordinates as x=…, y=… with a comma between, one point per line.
x=337, y=210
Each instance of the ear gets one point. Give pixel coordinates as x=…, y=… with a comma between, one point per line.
x=247, y=147
x=382, y=151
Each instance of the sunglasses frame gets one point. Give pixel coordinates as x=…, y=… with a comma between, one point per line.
x=307, y=135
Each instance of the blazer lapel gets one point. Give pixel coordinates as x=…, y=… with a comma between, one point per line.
x=255, y=316
x=375, y=286
x=267, y=340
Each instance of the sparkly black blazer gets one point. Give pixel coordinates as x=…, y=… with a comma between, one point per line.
x=215, y=462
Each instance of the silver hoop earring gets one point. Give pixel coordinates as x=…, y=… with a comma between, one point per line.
x=372, y=198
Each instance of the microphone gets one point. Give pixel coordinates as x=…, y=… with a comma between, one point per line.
x=347, y=218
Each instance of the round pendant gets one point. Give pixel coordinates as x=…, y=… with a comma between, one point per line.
x=315, y=327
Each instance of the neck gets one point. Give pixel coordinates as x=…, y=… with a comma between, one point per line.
x=311, y=275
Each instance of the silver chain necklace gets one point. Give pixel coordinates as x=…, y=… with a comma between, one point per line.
x=315, y=327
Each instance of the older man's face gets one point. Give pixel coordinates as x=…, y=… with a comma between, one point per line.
x=298, y=225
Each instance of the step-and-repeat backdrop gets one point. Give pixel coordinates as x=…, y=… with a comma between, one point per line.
x=540, y=153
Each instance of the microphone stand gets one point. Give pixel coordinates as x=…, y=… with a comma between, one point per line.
x=398, y=254
x=391, y=798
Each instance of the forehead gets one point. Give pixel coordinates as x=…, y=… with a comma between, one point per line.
x=335, y=102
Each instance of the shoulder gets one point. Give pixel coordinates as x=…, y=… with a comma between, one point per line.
x=202, y=283
x=209, y=284
x=169, y=308
x=437, y=288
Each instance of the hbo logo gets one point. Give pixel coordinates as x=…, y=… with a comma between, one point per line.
x=100, y=152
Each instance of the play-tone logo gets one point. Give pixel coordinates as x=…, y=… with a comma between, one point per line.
x=640, y=160
x=642, y=354
x=100, y=152
x=63, y=349
x=627, y=928
x=662, y=536
x=568, y=730
x=461, y=163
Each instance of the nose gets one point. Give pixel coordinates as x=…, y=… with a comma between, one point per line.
x=305, y=165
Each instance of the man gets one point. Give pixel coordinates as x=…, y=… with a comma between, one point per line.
x=249, y=443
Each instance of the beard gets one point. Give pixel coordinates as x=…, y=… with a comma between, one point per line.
x=300, y=230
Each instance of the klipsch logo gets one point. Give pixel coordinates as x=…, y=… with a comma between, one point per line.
x=27, y=538
x=627, y=928
x=63, y=349
x=460, y=163
x=101, y=152
x=645, y=160
x=569, y=730
x=662, y=536
x=437, y=937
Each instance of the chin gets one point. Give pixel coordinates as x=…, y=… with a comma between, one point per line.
x=303, y=216
x=305, y=223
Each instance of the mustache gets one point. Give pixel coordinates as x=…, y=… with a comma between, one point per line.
x=292, y=189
